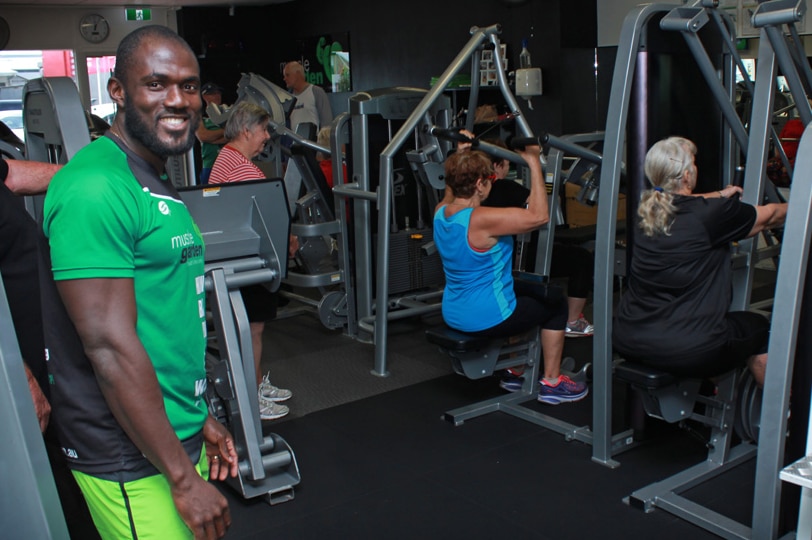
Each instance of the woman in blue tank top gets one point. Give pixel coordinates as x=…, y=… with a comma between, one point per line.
x=476, y=246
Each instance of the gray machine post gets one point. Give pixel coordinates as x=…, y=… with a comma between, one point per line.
x=790, y=281
x=55, y=129
x=245, y=228
x=31, y=508
x=614, y=143
x=784, y=330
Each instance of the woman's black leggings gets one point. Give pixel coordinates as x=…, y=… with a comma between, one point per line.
x=536, y=305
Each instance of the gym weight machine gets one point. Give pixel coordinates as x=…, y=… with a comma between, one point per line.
x=641, y=26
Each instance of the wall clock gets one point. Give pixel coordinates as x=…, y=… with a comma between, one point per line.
x=94, y=28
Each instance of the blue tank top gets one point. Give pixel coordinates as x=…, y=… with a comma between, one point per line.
x=479, y=284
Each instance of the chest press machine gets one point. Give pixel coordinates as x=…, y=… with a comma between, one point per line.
x=245, y=228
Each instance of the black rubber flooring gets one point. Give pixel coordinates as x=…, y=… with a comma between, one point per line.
x=387, y=466
x=377, y=460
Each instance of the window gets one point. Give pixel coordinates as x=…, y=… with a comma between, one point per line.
x=99, y=71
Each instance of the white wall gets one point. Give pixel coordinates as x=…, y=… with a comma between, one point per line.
x=57, y=27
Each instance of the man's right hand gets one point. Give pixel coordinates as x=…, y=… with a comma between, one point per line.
x=203, y=508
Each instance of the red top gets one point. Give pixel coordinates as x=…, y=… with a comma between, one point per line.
x=327, y=168
x=232, y=166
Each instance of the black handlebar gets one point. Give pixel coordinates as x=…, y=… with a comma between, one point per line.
x=450, y=134
x=519, y=143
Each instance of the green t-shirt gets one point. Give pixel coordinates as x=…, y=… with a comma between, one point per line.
x=108, y=214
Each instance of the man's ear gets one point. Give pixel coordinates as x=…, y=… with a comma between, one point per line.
x=116, y=90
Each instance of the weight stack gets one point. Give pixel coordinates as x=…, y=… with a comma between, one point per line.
x=410, y=269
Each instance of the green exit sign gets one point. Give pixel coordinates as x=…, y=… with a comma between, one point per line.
x=138, y=14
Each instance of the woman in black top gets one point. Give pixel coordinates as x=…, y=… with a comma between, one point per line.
x=674, y=315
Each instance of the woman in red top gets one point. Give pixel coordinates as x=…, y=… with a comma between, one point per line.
x=247, y=134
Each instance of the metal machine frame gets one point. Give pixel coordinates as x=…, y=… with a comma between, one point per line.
x=374, y=312
x=32, y=509
x=782, y=354
x=769, y=16
x=245, y=227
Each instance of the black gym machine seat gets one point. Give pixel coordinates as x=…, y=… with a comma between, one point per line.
x=477, y=357
x=663, y=395
x=675, y=399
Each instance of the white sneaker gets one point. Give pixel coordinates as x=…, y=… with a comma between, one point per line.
x=268, y=410
x=579, y=328
x=272, y=393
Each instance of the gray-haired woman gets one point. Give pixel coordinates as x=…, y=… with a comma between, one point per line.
x=674, y=315
x=247, y=133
